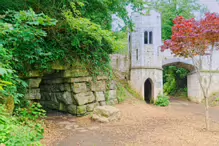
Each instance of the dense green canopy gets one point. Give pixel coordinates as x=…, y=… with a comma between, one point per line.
x=170, y=9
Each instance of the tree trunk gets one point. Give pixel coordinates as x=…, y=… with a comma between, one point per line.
x=206, y=114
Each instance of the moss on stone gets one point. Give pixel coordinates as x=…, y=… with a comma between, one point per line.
x=81, y=110
x=62, y=107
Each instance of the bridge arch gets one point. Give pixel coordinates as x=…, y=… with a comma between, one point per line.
x=178, y=62
x=182, y=63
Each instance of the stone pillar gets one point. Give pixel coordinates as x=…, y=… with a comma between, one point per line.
x=194, y=89
x=33, y=80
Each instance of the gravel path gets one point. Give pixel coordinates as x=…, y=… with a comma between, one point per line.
x=180, y=124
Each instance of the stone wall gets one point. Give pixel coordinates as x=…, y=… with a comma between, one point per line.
x=72, y=91
x=121, y=64
x=139, y=76
x=194, y=89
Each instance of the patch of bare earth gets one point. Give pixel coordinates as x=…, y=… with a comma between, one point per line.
x=52, y=133
x=141, y=124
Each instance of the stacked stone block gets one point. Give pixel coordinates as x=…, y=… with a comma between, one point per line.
x=72, y=91
x=34, y=91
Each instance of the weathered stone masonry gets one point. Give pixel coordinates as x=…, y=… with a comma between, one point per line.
x=72, y=91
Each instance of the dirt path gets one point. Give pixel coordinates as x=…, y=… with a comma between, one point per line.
x=180, y=124
x=185, y=106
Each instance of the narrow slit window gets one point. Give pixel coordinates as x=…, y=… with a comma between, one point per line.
x=145, y=37
x=136, y=54
x=150, y=37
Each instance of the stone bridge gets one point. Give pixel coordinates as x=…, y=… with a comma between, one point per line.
x=150, y=78
x=183, y=63
x=169, y=59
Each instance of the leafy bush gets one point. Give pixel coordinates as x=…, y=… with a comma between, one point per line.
x=174, y=79
x=35, y=42
x=22, y=34
x=10, y=83
x=20, y=40
x=162, y=100
x=13, y=131
x=121, y=39
x=80, y=31
x=33, y=112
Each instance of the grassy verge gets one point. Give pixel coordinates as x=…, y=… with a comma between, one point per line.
x=124, y=90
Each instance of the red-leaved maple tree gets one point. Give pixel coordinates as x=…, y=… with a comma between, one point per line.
x=192, y=38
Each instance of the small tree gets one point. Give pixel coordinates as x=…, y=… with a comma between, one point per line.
x=196, y=39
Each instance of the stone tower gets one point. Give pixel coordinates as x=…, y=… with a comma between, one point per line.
x=146, y=63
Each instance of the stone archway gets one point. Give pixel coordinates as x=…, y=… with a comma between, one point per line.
x=71, y=90
x=178, y=62
x=148, y=90
x=186, y=81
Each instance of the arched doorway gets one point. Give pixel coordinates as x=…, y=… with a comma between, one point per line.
x=148, y=90
x=175, y=72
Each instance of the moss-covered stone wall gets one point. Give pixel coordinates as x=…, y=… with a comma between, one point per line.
x=71, y=90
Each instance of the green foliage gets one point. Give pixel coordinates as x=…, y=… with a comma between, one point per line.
x=22, y=34
x=87, y=27
x=14, y=132
x=162, y=100
x=79, y=34
x=90, y=43
x=62, y=39
x=4, y=83
x=21, y=50
x=121, y=93
x=33, y=112
x=9, y=81
x=122, y=41
x=170, y=9
x=107, y=97
x=4, y=67
x=97, y=11
x=174, y=79
x=36, y=42
x=122, y=87
x=128, y=87
x=100, y=12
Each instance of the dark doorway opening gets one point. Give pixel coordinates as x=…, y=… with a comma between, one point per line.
x=148, y=90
